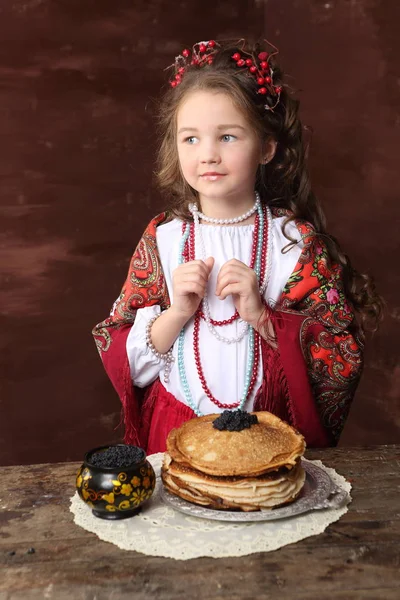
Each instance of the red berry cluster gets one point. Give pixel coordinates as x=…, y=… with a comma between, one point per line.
x=259, y=67
x=201, y=54
x=262, y=72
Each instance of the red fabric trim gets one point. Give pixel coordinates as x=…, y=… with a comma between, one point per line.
x=302, y=407
x=273, y=393
x=117, y=367
x=161, y=412
x=150, y=413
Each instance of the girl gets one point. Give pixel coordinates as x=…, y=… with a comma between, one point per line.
x=235, y=297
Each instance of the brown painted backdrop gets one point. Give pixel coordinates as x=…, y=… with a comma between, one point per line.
x=78, y=80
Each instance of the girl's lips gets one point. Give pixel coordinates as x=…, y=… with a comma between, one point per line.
x=212, y=176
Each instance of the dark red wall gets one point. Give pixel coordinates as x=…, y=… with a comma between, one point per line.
x=78, y=83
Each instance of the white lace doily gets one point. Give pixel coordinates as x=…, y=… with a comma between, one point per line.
x=159, y=530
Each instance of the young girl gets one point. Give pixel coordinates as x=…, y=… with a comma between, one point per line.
x=235, y=297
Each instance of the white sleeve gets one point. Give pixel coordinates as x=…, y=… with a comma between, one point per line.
x=145, y=366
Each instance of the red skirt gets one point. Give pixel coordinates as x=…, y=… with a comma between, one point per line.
x=161, y=412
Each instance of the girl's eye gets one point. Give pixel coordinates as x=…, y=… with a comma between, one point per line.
x=228, y=138
x=190, y=140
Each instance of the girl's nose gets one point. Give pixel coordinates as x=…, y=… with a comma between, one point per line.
x=209, y=154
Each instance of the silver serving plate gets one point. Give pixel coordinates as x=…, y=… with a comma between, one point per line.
x=319, y=492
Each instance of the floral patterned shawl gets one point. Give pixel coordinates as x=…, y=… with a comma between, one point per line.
x=309, y=381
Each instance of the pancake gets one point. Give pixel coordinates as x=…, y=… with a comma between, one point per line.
x=263, y=447
x=258, y=467
x=247, y=494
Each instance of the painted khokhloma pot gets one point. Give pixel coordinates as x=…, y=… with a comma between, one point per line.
x=115, y=492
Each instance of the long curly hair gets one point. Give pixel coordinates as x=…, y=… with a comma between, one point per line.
x=283, y=182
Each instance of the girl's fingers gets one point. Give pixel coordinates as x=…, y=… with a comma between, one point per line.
x=231, y=288
x=194, y=268
x=245, y=279
x=193, y=287
x=234, y=264
x=209, y=264
x=227, y=280
x=206, y=265
x=234, y=268
x=194, y=277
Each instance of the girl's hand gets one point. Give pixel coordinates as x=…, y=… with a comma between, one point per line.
x=240, y=281
x=189, y=283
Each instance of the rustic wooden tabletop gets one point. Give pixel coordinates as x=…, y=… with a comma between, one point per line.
x=45, y=555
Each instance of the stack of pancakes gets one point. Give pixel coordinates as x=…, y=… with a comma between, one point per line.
x=256, y=468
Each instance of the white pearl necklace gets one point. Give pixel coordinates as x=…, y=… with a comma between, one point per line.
x=194, y=210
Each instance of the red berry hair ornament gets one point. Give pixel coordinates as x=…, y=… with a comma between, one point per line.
x=259, y=67
x=201, y=54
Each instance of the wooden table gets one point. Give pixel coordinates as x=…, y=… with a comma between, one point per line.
x=356, y=557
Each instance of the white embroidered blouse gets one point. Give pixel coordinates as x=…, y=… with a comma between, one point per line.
x=223, y=364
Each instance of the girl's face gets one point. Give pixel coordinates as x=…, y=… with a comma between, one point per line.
x=218, y=150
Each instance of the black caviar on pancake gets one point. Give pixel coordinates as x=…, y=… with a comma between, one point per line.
x=234, y=420
x=117, y=456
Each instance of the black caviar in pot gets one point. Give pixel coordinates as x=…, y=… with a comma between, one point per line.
x=234, y=420
x=115, y=480
x=117, y=456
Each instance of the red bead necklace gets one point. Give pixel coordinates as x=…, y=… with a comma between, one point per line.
x=189, y=254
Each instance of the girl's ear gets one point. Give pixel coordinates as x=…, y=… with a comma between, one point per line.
x=269, y=150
